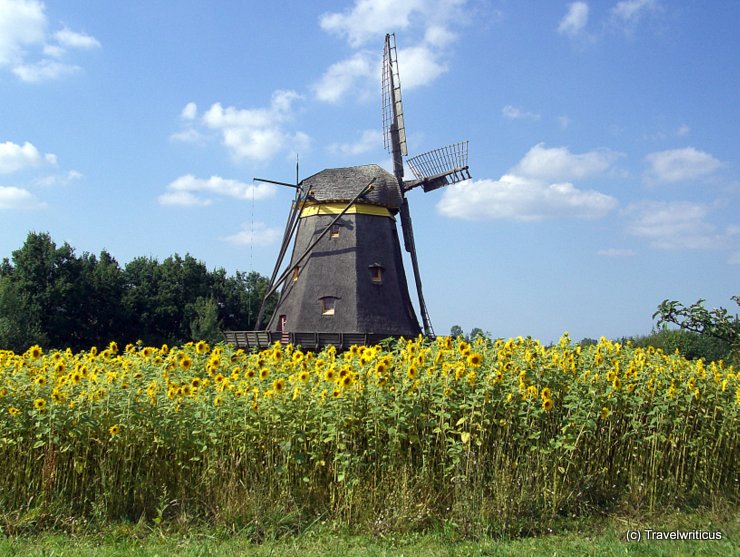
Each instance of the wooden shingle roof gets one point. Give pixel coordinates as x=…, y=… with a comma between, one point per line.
x=342, y=184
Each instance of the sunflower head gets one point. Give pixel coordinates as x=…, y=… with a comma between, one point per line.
x=475, y=359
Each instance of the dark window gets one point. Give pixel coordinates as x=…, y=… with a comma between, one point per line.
x=328, y=305
x=376, y=273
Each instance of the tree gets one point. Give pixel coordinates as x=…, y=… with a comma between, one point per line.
x=478, y=332
x=456, y=331
x=19, y=329
x=205, y=324
x=716, y=323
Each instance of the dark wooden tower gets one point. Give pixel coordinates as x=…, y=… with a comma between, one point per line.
x=350, y=279
x=345, y=277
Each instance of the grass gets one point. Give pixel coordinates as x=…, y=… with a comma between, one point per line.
x=605, y=537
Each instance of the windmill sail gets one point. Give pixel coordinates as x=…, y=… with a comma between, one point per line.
x=391, y=100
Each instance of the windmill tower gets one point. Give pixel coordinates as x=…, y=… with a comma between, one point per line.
x=346, y=274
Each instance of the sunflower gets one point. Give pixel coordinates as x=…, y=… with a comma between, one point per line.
x=336, y=393
x=40, y=380
x=330, y=375
x=39, y=404
x=346, y=380
x=303, y=376
x=547, y=404
x=185, y=362
x=13, y=411
x=278, y=385
x=546, y=393
x=475, y=359
x=412, y=372
x=201, y=347
x=114, y=430
x=264, y=373
x=604, y=413
x=35, y=352
x=217, y=400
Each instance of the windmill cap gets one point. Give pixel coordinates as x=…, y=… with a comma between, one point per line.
x=343, y=184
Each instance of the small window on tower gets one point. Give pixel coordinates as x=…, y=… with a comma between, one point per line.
x=328, y=305
x=334, y=232
x=376, y=273
x=296, y=272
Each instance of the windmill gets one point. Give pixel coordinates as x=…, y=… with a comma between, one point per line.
x=345, y=282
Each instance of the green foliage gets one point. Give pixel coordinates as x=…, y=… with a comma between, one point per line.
x=52, y=297
x=205, y=324
x=716, y=323
x=689, y=344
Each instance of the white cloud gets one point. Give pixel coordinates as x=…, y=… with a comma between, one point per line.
x=183, y=199
x=189, y=112
x=257, y=134
x=519, y=198
x=683, y=130
x=44, y=70
x=564, y=121
x=538, y=187
x=515, y=113
x=26, y=47
x=58, y=179
x=631, y=11
x=191, y=191
x=18, y=198
x=574, y=22
x=679, y=165
x=15, y=157
x=418, y=66
x=22, y=24
x=350, y=75
x=368, y=141
x=616, y=252
x=558, y=163
x=257, y=234
x=72, y=39
x=369, y=19
x=188, y=135
x=673, y=225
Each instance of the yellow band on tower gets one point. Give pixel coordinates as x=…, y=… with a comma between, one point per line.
x=336, y=208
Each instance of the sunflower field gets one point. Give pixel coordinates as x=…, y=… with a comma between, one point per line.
x=491, y=435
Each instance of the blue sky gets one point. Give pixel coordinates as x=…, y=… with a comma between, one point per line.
x=603, y=141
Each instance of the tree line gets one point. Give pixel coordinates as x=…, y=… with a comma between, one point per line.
x=52, y=297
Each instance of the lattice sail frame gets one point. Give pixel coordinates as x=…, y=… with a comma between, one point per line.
x=391, y=97
x=450, y=161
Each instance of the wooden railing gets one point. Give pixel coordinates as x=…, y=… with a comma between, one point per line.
x=259, y=340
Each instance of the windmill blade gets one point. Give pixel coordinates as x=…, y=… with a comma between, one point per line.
x=439, y=167
x=410, y=245
x=391, y=100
